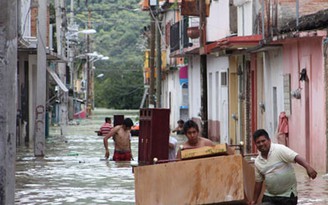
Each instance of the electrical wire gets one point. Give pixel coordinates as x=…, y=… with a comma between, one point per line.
x=158, y=27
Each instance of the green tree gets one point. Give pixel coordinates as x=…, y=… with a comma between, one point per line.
x=119, y=27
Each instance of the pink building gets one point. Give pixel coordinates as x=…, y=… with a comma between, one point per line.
x=307, y=120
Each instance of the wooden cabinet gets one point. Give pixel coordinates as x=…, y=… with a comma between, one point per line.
x=154, y=134
x=118, y=119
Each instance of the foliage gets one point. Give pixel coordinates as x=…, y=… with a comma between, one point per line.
x=119, y=35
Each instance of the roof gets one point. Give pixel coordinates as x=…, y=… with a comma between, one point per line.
x=318, y=20
x=57, y=79
x=234, y=42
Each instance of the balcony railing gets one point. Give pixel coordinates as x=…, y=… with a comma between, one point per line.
x=178, y=35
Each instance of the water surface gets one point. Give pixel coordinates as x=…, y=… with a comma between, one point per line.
x=74, y=170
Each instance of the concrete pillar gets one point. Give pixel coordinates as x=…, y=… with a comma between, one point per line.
x=8, y=99
x=40, y=108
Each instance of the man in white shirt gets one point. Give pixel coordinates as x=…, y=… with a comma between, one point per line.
x=273, y=164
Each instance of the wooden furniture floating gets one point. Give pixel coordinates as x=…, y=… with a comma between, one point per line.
x=211, y=180
x=219, y=149
x=153, y=135
x=118, y=120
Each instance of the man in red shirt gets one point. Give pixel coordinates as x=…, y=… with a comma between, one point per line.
x=106, y=127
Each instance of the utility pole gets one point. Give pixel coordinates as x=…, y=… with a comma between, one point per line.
x=159, y=58
x=72, y=12
x=88, y=94
x=203, y=67
x=71, y=54
x=61, y=67
x=40, y=107
x=151, y=60
x=8, y=100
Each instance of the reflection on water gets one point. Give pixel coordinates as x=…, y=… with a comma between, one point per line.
x=74, y=172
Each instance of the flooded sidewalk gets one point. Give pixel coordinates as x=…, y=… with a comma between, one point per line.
x=74, y=172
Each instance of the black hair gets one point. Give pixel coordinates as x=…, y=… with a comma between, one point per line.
x=260, y=132
x=107, y=119
x=127, y=122
x=189, y=124
x=181, y=121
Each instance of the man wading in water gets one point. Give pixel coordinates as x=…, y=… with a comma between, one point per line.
x=121, y=136
x=191, y=131
x=274, y=165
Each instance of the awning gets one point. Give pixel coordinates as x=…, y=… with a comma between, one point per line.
x=234, y=42
x=57, y=79
x=193, y=50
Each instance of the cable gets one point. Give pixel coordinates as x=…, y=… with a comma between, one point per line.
x=158, y=27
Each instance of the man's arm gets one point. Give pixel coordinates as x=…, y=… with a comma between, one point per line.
x=257, y=192
x=107, y=136
x=310, y=171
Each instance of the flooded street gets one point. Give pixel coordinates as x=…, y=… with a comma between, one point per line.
x=74, y=172
x=311, y=191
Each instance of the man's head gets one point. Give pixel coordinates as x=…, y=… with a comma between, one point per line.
x=108, y=119
x=191, y=131
x=127, y=122
x=262, y=140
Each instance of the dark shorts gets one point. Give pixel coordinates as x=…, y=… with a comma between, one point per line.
x=122, y=155
x=278, y=200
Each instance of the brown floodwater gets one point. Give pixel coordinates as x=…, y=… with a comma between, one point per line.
x=74, y=171
x=311, y=191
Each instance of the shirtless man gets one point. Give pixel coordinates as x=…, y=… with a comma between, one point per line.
x=121, y=137
x=191, y=131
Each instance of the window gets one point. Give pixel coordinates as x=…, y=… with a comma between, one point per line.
x=224, y=79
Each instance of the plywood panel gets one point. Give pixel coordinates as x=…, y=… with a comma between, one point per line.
x=198, y=181
x=219, y=149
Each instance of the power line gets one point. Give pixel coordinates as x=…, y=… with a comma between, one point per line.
x=119, y=71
